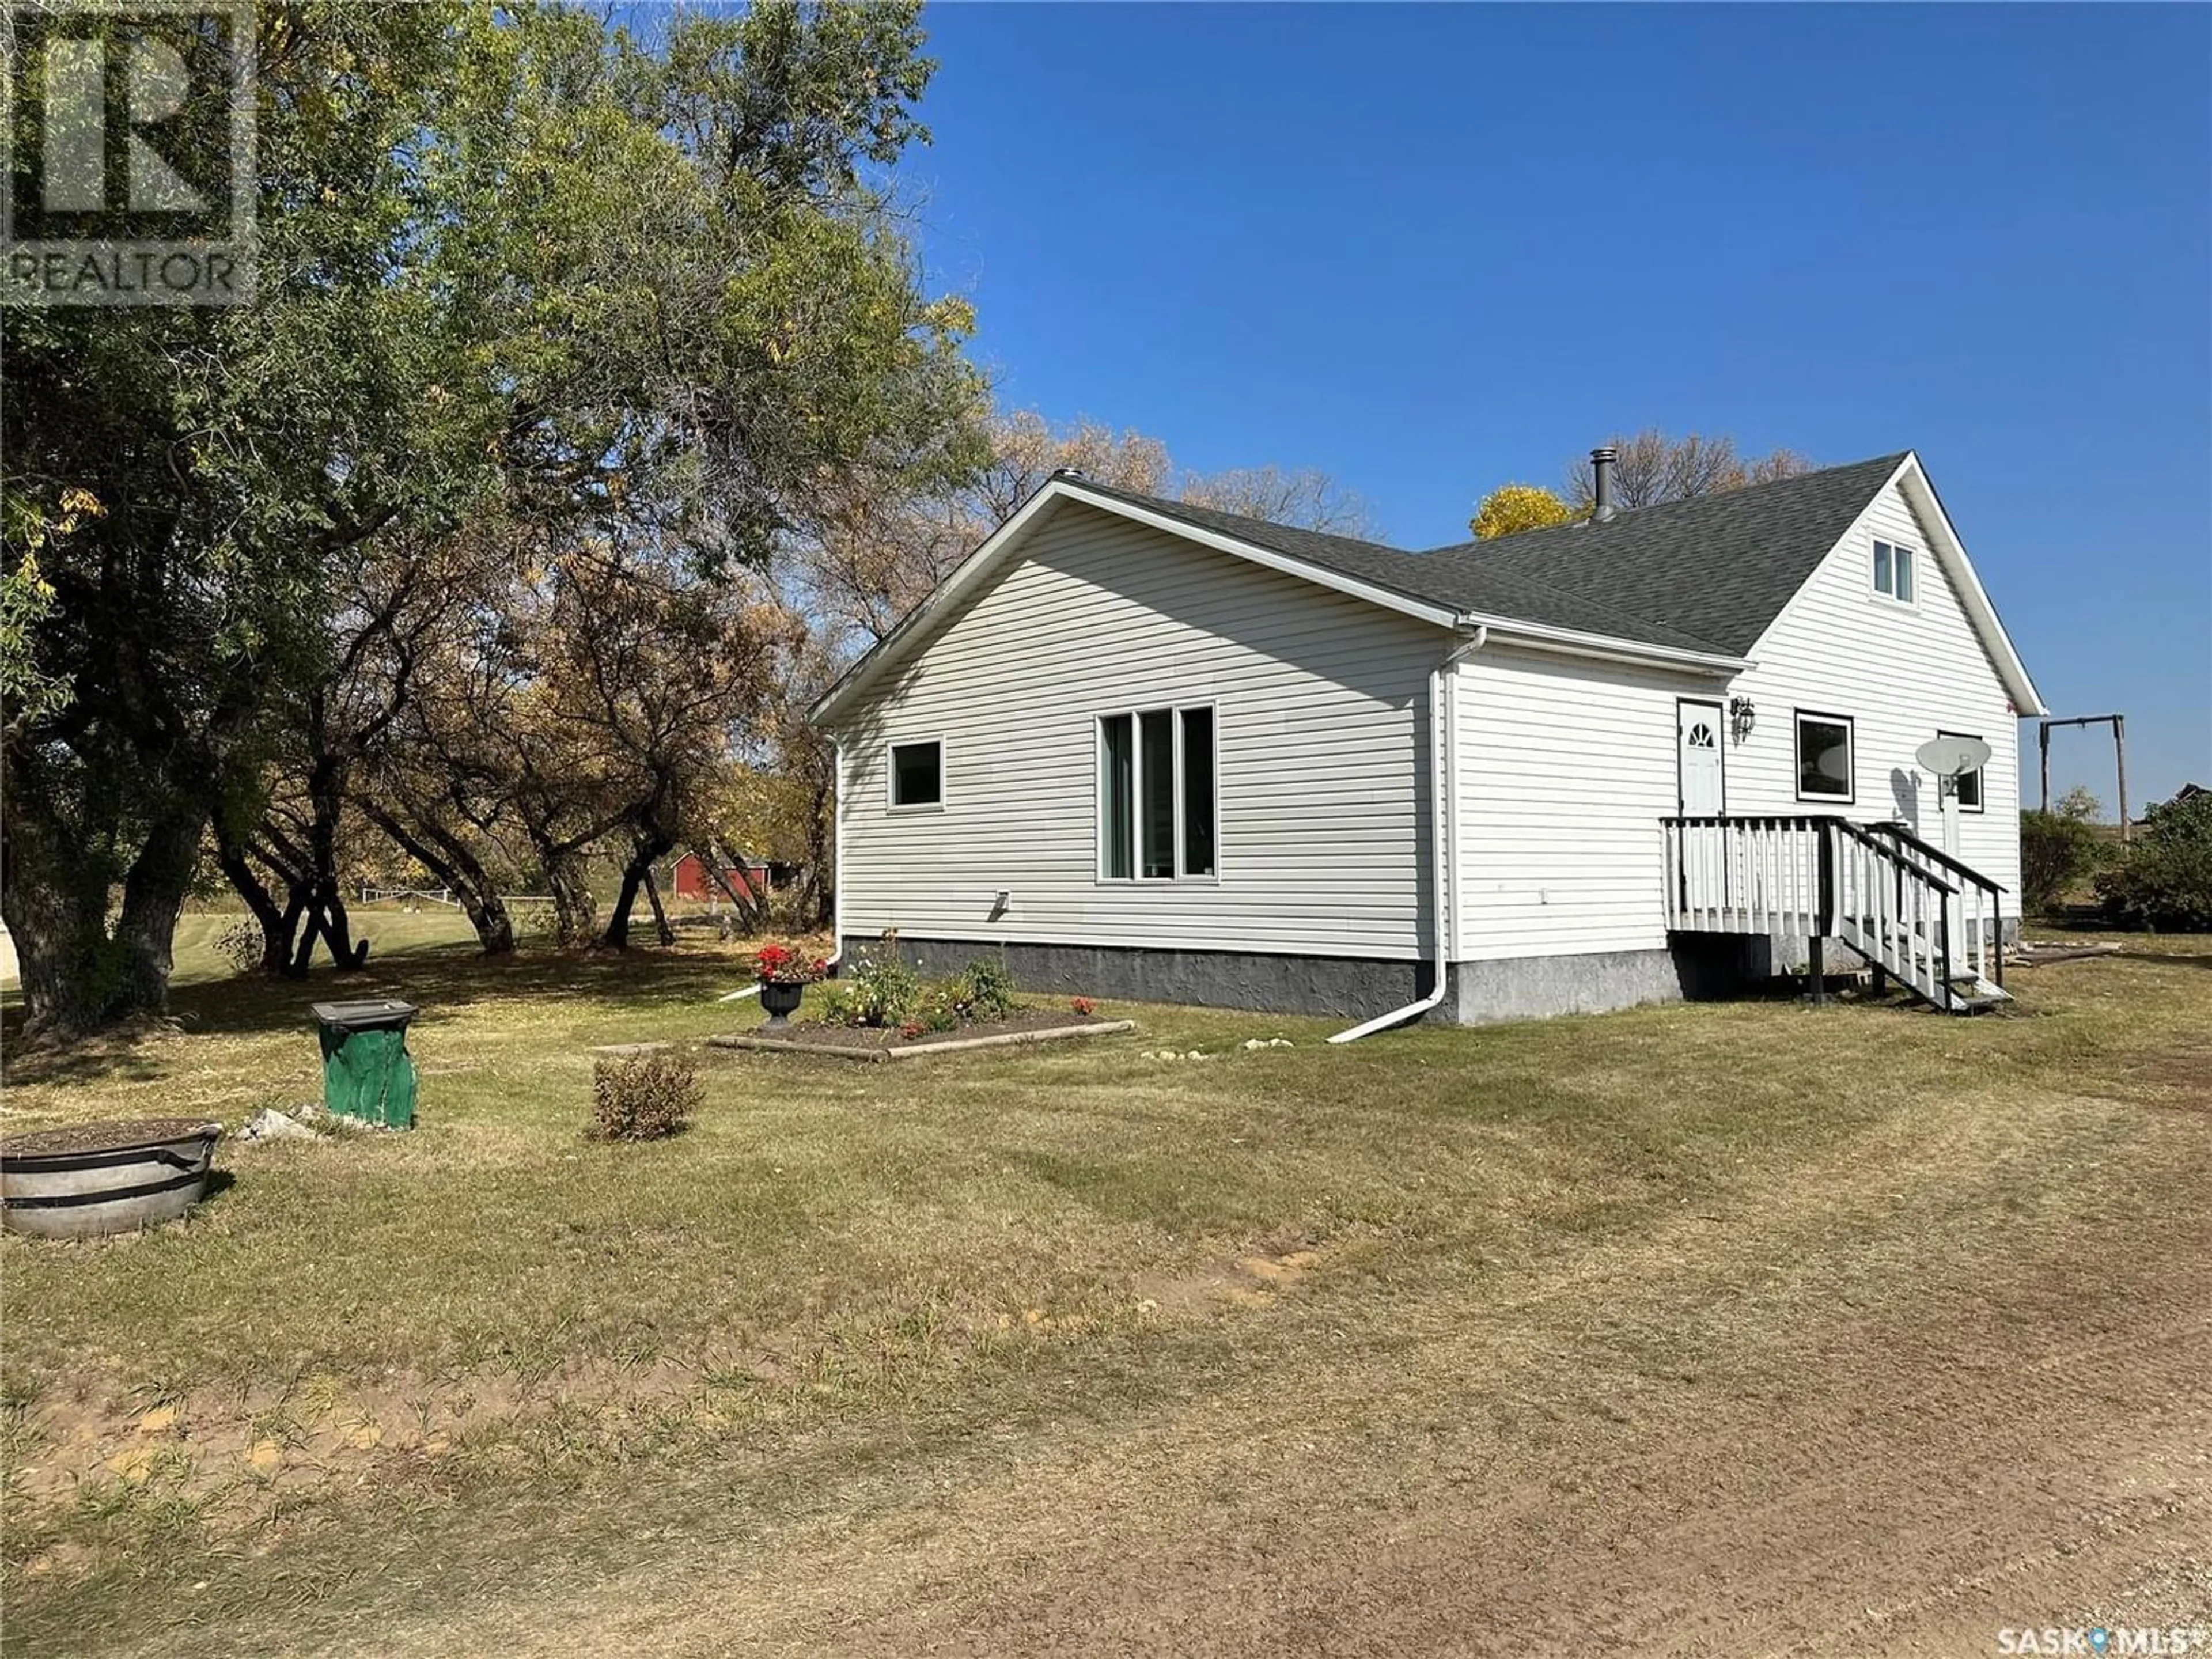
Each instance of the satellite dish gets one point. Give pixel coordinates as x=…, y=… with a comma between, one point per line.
x=1951, y=757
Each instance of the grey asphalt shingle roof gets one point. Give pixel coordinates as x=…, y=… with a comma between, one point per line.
x=1707, y=575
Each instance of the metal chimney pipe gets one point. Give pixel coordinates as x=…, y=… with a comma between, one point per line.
x=1601, y=462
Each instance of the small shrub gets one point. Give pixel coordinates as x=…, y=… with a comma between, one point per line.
x=1084, y=1006
x=2055, y=852
x=2164, y=883
x=882, y=991
x=643, y=1096
x=913, y=1029
x=239, y=945
x=985, y=989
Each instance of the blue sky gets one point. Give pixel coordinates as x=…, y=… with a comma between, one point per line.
x=1432, y=248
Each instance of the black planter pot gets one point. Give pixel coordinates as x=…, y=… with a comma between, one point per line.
x=781, y=1001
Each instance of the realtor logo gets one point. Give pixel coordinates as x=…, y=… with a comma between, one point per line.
x=129, y=176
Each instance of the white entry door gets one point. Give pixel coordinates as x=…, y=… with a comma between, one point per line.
x=1704, y=795
x=1698, y=733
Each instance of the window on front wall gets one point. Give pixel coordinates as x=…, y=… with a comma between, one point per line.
x=918, y=774
x=1824, y=757
x=1156, y=795
x=1893, y=571
x=1969, y=783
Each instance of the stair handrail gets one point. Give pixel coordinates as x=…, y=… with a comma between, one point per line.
x=1995, y=955
x=1897, y=831
x=1941, y=944
x=1859, y=832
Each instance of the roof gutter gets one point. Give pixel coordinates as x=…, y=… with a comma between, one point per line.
x=1443, y=799
x=1536, y=637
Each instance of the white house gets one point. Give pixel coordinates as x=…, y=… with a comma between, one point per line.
x=1148, y=750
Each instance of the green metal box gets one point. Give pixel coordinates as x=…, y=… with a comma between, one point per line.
x=368, y=1074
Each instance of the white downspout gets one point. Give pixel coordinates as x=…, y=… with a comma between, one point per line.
x=838, y=871
x=1444, y=779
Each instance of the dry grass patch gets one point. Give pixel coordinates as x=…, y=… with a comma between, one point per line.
x=431, y=1383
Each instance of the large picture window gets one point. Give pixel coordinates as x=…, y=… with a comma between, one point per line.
x=1156, y=795
x=1824, y=757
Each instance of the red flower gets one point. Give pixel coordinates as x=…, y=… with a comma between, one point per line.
x=1084, y=1006
x=781, y=965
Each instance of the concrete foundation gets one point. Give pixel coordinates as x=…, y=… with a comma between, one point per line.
x=1694, y=968
x=1355, y=988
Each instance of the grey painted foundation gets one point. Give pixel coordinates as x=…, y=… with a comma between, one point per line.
x=1355, y=988
x=1698, y=967
x=1351, y=986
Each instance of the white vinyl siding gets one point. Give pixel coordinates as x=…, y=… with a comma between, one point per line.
x=1566, y=766
x=1902, y=674
x=1320, y=747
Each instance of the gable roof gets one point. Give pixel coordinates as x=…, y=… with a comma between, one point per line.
x=1481, y=589
x=1615, y=589
x=1750, y=550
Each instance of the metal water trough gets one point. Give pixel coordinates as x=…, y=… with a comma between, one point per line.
x=98, y=1178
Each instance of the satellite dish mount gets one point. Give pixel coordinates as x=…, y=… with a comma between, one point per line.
x=1951, y=758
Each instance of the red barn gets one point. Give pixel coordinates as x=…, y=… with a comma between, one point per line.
x=689, y=878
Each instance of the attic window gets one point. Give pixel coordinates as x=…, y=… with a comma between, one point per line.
x=1892, y=572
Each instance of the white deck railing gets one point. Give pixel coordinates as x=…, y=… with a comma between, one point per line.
x=1909, y=910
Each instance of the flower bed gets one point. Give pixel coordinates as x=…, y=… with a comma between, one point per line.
x=872, y=1043
x=884, y=1010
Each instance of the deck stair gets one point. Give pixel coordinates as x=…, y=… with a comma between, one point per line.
x=1912, y=913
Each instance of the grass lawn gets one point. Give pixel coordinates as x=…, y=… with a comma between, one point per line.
x=1743, y=1321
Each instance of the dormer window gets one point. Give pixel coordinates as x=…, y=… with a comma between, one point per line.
x=1892, y=572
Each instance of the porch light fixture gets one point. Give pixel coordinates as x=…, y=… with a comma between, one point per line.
x=1741, y=718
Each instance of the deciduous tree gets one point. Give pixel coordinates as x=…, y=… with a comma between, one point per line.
x=1652, y=467
x=1511, y=508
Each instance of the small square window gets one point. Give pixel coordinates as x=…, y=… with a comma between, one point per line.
x=1969, y=784
x=1892, y=572
x=918, y=774
x=1824, y=758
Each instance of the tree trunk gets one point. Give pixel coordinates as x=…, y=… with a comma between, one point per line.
x=575, y=913
x=56, y=908
x=326, y=800
x=660, y=927
x=279, y=923
x=636, y=873
x=152, y=897
x=77, y=975
x=448, y=857
x=751, y=904
x=820, y=857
